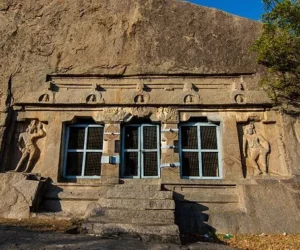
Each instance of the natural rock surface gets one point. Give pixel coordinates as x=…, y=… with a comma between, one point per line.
x=26, y=239
x=17, y=195
x=119, y=37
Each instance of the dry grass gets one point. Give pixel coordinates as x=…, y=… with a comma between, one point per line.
x=250, y=241
x=264, y=242
x=38, y=224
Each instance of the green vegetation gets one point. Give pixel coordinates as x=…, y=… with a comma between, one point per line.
x=278, y=48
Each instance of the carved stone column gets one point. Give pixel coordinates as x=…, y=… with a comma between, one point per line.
x=110, y=166
x=170, y=165
x=232, y=165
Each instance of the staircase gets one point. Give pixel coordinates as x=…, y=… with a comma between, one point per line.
x=201, y=208
x=139, y=209
x=72, y=199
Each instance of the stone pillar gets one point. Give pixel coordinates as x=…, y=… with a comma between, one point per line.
x=110, y=166
x=232, y=165
x=170, y=165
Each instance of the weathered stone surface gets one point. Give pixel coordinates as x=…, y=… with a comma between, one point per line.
x=113, y=37
x=291, y=142
x=17, y=193
x=163, y=233
x=143, y=229
x=53, y=240
x=134, y=216
x=271, y=206
x=137, y=194
x=138, y=204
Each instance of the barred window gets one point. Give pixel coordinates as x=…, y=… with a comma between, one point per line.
x=200, y=151
x=140, y=151
x=84, y=145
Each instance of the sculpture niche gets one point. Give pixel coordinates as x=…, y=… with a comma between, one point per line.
x=256, y=148
x=27, y=145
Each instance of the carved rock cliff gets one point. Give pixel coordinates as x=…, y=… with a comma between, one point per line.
x=119, y=37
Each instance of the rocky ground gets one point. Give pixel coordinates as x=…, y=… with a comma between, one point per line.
x=48, y=234
x=13, y=237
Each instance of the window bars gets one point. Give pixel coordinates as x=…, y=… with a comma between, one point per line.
x=200, y=151
x=141, y=151
x=84, y=144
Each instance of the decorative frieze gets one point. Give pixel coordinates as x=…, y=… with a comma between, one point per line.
x=167, y=115
x=145, y=90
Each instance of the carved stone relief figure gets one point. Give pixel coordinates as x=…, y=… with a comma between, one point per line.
x=167, y=115
x=141, y=112
x=27, y=145
x=116, y=114
x=256, y=149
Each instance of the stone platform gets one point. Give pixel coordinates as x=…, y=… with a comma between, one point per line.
x=142, y=210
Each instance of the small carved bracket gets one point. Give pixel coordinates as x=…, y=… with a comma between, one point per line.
x=190, y=95
x=48, y=95
x=239, y=93
x=94, y=97
x=140, y=96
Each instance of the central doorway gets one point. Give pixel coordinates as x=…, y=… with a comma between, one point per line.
x=140, y=151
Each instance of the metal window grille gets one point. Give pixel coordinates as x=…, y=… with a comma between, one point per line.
x=140, y=151
x=200, y=151
x=84, y=144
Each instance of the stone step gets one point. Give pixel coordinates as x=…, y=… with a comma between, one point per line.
x=92, y=195
x=139, y=194
x=81, y=187
x=203, y=190
x=52, y=216
x=137, y=204
x=208, y=208
x=221, y=207
x=137, y=186
x=207, y=197
x=166, y=233
x=130, y=220
x=74, y=207
x=134, y=216
x=146, y=181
